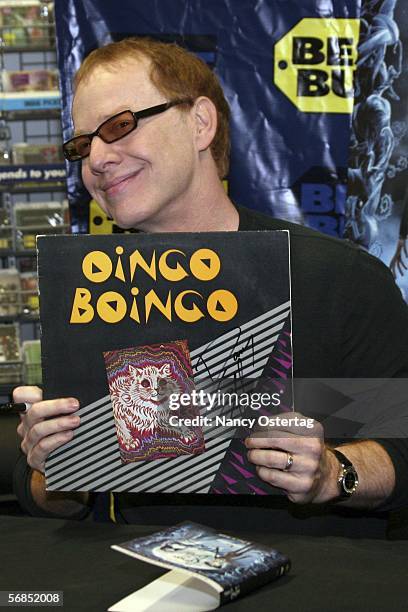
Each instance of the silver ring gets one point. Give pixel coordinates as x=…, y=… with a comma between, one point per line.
x=289, y=462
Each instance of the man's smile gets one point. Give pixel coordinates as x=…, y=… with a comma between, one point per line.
x=118, y=184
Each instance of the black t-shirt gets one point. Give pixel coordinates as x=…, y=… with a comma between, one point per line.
x=349, y=321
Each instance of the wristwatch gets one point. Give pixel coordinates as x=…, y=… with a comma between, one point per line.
x=348, y=479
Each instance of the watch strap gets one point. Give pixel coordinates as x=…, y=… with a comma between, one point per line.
x=348, y=470
x=342, y=458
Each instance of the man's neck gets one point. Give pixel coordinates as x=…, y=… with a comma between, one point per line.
x=208, y=210
x=217, y=214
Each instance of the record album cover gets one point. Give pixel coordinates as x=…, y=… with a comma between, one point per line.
x=177, y=347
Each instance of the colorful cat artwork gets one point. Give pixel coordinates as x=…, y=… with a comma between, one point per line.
x=141, y=381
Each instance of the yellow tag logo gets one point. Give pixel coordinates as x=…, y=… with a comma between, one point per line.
x=315, y=63
x=99, y=223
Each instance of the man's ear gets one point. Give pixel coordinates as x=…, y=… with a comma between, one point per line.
x=205, y=116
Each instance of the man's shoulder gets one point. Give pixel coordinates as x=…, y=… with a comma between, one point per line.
x=253, y=220
x=310, y=242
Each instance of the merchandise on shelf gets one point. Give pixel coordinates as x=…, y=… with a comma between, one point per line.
x=10, y=358
x=29, y=293
x=31, y=351
x=26, y=23
x=9, y=292
x=5, y=157
x=29, y=80
x=27, y=264
x=28, y=92
x=6, y=229
x=36, y=218
x=27, y=153
x=10, y=373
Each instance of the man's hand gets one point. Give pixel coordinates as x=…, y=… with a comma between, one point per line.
x=312, y=477
x=46, y=425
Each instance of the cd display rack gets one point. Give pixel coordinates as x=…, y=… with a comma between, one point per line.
x=32, y=178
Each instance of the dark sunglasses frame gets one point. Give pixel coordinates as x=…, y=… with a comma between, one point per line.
x=146, y=112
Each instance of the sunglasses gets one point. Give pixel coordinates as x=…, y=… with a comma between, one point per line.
x=113, y=129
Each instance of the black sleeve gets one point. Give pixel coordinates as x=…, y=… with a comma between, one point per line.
x=397, y=448
x=22, y=489
x=375, y=322
x=375, y=345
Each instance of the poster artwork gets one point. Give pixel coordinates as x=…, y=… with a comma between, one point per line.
x=141, y=381
x=376, y=207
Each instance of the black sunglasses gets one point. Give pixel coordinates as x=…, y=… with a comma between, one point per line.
x=113, y=129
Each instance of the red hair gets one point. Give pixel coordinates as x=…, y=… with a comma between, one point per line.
x=176, y=73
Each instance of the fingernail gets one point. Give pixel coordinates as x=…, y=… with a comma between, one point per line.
x=75, y=420
x=73, y=403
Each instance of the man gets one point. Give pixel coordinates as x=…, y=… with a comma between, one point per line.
x=159, y=169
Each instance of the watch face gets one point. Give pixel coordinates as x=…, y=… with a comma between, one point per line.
x=349, y=482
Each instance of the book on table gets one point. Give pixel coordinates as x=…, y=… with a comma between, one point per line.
x=207, y=569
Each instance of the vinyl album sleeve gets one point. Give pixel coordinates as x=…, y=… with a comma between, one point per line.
x=177, y=346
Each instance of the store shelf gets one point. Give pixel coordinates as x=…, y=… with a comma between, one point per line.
x=14, y=253
x=33, y=188
x=41, y=228
x=26, y=52
x=12, y=362
x=33, y=100
x=30, y=115
x=20, y=318
x=44, y=48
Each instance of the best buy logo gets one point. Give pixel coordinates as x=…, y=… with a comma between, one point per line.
x=315, y=63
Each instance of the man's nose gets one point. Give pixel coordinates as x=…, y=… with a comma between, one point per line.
x=102, y=154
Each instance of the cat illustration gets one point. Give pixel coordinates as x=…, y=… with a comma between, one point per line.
x=141, y=407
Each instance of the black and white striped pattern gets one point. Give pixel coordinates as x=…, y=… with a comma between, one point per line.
x=91, y=461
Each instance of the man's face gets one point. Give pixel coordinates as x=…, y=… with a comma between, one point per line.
x=149, y=175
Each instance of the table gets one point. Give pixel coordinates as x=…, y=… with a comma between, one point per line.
x=329, y=574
